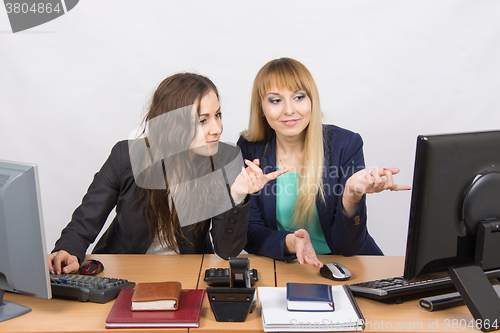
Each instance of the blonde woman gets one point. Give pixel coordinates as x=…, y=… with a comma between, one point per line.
x=318, y=206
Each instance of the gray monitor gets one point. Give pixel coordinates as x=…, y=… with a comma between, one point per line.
x=23, y=255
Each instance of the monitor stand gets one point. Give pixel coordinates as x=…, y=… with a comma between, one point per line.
x=481, y=216
x=9, y=310
x=479, y=296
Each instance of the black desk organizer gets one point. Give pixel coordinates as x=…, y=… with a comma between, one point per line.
x=234, y=303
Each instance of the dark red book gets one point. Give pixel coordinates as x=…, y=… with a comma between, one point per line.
x=187, y=315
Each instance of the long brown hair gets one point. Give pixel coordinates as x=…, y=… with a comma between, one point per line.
x=175, y=92
x=290, y=74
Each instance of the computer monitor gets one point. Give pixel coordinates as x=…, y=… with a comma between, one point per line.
x=23, y=256
x=456, y=188
x=455, y=217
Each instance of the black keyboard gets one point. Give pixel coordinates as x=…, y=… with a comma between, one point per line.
x=396, y=286
x=220, y=276
x=87, y=288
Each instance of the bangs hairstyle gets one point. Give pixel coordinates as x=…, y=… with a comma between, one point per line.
x=290, y=74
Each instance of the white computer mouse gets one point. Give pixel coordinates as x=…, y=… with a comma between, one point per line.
x=335, y=271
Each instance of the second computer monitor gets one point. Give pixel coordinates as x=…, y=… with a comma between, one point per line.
x=446, y=167
x=23, y=256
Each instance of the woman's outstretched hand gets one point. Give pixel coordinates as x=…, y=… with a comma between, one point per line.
x=368, y=181
x=251, y=179
x=300, y=244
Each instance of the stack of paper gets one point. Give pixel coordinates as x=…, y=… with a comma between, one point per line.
x=276, y=317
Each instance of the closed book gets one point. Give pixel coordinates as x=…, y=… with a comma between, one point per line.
x=156, y=296
x=187, y=314
x=309, y=297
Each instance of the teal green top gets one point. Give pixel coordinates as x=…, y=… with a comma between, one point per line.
x=286, y=193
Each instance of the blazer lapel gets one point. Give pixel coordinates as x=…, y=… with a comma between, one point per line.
x=268, y=164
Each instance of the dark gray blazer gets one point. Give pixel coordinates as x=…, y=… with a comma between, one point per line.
x=114, y=186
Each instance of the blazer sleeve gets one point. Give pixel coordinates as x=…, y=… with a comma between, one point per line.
x=263, y=236
x=89, y=218
x=348, y=233
x=229, y=230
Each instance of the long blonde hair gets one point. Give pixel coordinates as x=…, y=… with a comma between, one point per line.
x=290, y=74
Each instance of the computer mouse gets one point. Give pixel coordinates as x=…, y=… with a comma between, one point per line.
x=91, y=267
x=335, y=271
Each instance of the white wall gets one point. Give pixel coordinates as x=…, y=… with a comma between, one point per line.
x=389, y=70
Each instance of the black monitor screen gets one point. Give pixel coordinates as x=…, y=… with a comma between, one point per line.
x=445, y=167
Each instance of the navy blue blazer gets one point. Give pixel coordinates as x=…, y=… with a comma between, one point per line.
x=345, y=235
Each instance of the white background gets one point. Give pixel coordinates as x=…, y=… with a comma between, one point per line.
x=389, y=70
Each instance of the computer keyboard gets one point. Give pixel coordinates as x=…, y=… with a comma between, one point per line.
x=86, y=288
x=395, y=287
x=220, y=276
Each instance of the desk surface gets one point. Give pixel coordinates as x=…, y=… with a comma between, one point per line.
x=380, y=316
x=57, y=315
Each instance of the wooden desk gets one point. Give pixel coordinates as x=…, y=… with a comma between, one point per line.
x=253, y=323
x=380, y=316
x=56, y=315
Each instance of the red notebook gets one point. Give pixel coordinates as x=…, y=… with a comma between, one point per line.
x=187, y=315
